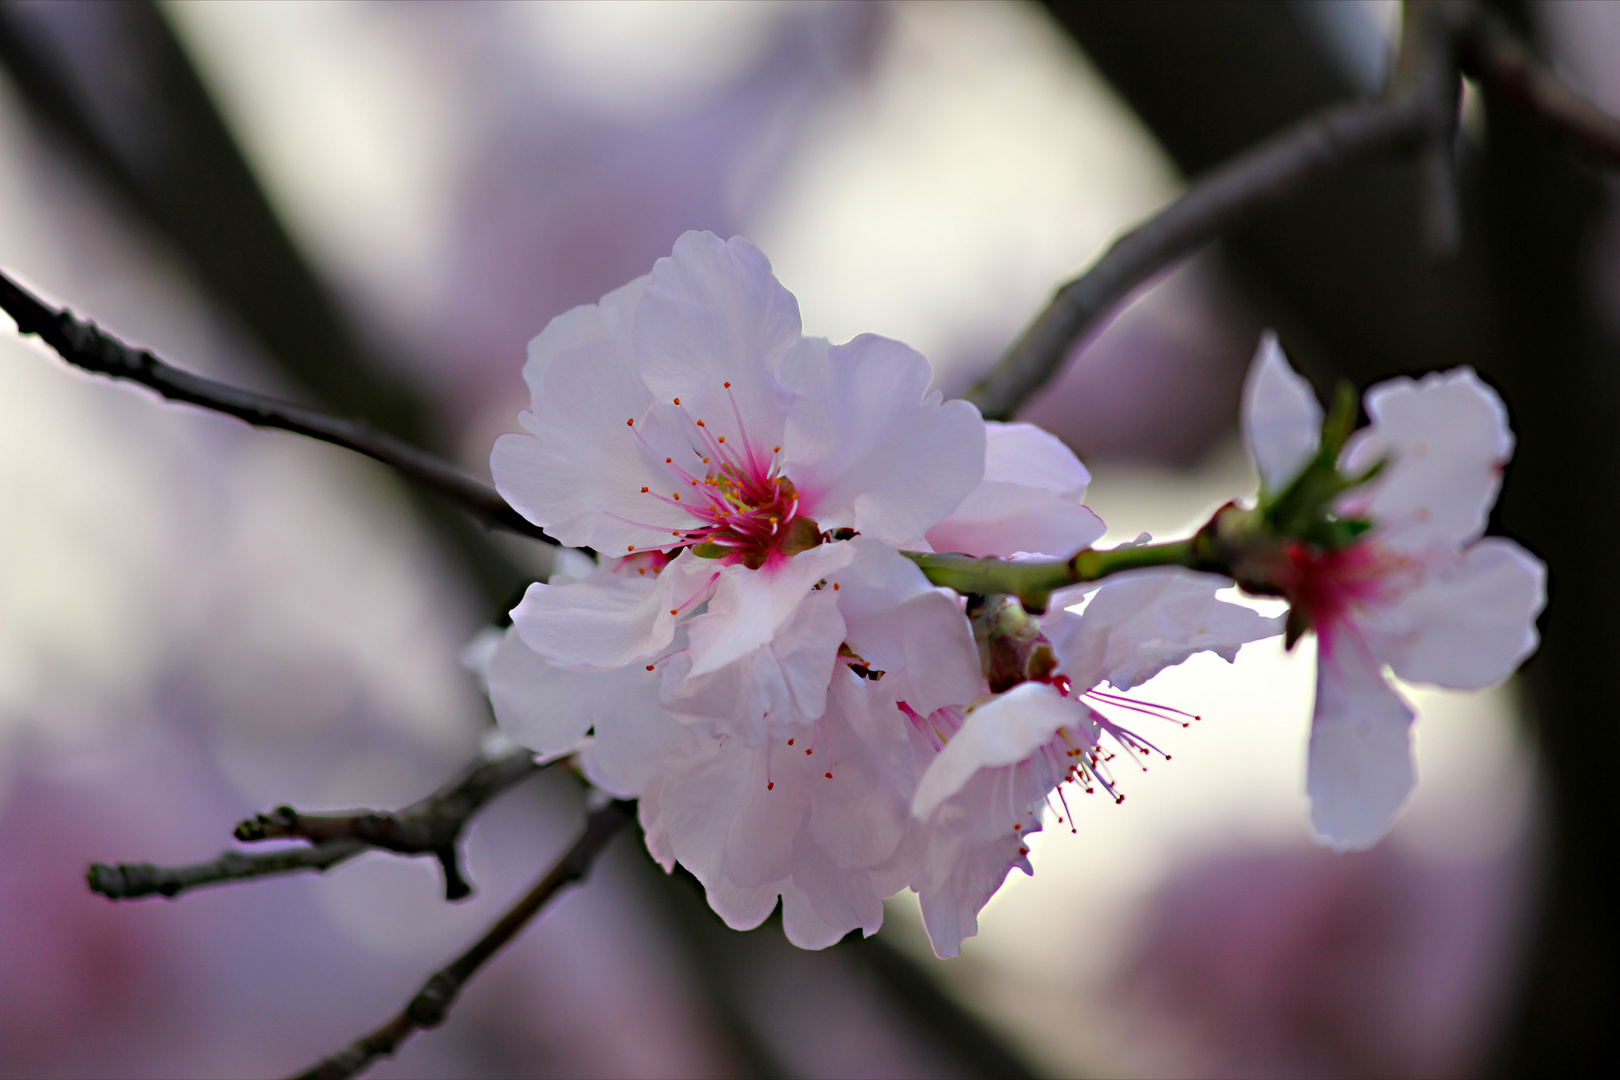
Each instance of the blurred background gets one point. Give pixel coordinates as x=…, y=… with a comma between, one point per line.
x=372, y=207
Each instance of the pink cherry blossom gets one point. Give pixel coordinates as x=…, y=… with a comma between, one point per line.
x=996, y=763
x=687, y=416
x=1421, y=593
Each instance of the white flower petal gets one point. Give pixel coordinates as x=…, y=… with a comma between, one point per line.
x=609, y=621
x=1360, y=769
x=739, y=908
x=868, y=447
x=1003, y=731
x=610, y=319
x=1470, y=626
x=713, y=313
x=783, y=681
x=962, y=877
x=1282, y=420
x=749, y=607
x=1446, y=438
x=1143, y=621
x=580, y=474
x=999, y=518
x=537, y=705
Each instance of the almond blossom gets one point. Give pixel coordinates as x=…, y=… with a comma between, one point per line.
x=686, y=420
x=1420, y=592
x=998, y=760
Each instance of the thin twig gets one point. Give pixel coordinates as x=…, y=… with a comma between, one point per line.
x=86, y=346
x=1226, y=197
x=129, y=881
x=429, y=826
x=1491, y=53
x=431, y=1004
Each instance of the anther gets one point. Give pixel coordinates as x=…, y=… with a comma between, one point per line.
x=630, y=422
x=677, y=401
x=677, y=495
x=701, y=424
x=835, y=586
x=809, y=751
x=649, y=667
x=776, y=449
x=829, y=776
x=728, y=386
x=668, y=460
x=632, y=547
x=770, y=785
x=721, y=439
x=644, y=491
x=672, y=611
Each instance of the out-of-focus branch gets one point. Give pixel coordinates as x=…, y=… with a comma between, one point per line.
x=1491, y=53
x=431, y=1004
x=86, y=346
x=430, y=826
x=130, y=881
x=1224, y=199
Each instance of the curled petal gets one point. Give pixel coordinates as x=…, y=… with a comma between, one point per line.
x=609, y=621
x=1282, y=420
x=1141, y=622
x=1004, y=731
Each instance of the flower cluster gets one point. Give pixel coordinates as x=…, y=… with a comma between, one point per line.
x=803, y=717
x=756, y=654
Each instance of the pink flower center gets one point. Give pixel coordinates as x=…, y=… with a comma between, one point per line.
x=1325, y=585
x=746, y=511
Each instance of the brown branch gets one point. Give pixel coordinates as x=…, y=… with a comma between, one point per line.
x=429, y=826
x=86, y=346
x=1224, y=198
x=1491, y=53
x=432, y=1003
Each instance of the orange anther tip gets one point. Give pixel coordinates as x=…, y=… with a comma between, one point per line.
x=630, y=423
x=672, y=611
x=632, y=547
x=835, y=586
x=643, y=489
x=829, y=776
x=702, y=424
x=728, y=386
x=649, y=667
x=668, y=460
x=810, y=751
x=776, y=449
x=677, y=401
x=722, y=438
x=790, y=742
x=770, y=785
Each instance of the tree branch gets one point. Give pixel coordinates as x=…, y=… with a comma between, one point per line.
x=1491, y=53
x=1224, y=198
x=430, y=826
x=86, y=346
x=432, y=1003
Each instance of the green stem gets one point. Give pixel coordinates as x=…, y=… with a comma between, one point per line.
x=1033, y=582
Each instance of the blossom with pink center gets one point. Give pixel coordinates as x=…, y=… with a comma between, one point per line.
x=686, y=414
x=1419, y=593
x=991, y=768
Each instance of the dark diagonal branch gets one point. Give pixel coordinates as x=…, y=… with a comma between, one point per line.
x=430, y=826
x=431, y=1004
x=1492, y=54
x=1223, y=199
x=85, y=346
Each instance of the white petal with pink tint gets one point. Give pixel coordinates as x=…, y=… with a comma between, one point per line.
x=869, y=446
x=610, y=320
x=1030, y=501
x=1360, y=769
x=607, y=620
x=1004, y=731
x=1282, y=420
x=1473, y=622
x=1445, y=437
x=712, y=313
x=749, y=606
x=1141, y=622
